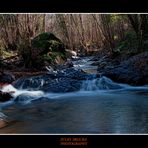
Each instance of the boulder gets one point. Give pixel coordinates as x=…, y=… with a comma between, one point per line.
x=5, y=96
x=73, y=73
x=45, y=49
x=71, y=53
x=61, y=85
x=133, y=71
x=47, y=42
x=34, y=82
x=66, y=80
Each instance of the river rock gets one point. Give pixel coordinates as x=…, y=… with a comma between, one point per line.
x=76, y=74
x=71, y=54
x=6, y=77
x=66, y=80
x=33, y=83
x=49, y=83
x=133, y=71
x=69, y=64
x=61, y=85
x=47, y=42
x=5, y=96
x=106, y=83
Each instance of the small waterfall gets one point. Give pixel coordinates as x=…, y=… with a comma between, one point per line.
x=89, y=85
x=102, y=83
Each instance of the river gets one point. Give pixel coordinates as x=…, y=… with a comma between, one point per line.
x=91, y=110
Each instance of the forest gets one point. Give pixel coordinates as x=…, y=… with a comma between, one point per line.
x=44, y=55
x=24, y=43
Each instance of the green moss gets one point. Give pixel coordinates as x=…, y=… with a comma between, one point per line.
x=47, y=58
x=47, y=42
x=6, y=54
x=51, y=58
x=54, y=45
x=48, y=47
x=41, y=41
x=129, y=44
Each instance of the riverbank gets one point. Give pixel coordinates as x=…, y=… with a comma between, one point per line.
x=132, y=70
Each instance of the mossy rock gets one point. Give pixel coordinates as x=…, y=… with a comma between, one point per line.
x=54, y=56
x=47, y=42
x=44, y=49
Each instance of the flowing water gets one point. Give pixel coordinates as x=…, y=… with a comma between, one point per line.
x=101, y=106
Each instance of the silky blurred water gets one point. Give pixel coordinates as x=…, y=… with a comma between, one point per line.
x=81, y=112
x=92, y=110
